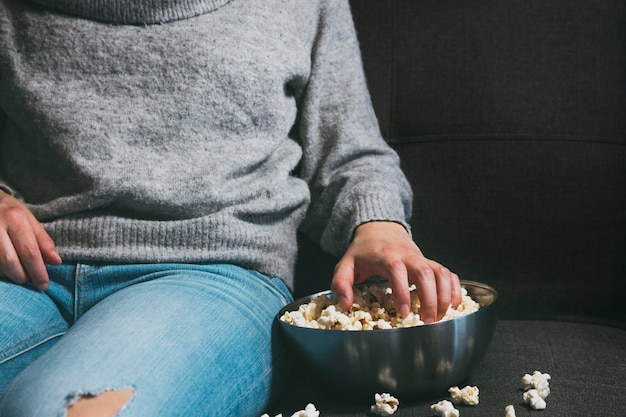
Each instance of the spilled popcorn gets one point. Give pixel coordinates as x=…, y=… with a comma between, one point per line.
x=444, y=408
x=309, y=411
x=386, y=404
x=537, y=389
x=533, y=398
x=510, y=411
x=468, y=395
x=538, y=381
x=372, y=309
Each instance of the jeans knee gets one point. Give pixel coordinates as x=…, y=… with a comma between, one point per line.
x=107, y=403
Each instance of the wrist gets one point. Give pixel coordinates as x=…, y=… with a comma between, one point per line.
x=382, y=227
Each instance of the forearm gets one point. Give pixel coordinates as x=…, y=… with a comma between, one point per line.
x=353, y=174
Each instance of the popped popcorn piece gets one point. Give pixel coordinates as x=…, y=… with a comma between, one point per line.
x=382, y=324
x=510, y=411
x=538, y=381
x=372, y=309
x=309, y=411
x=386, y=404
x=533, y=398
x=410, y=320
x=468, y=395
x=444, y=408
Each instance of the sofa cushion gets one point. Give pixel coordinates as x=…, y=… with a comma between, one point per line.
x=543, y=222
x=587, y=364
x=473, y=69
x=508, y=117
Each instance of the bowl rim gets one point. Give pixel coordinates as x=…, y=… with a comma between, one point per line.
x=292, y=306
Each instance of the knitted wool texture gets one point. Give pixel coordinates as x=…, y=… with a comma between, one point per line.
x=205, y=131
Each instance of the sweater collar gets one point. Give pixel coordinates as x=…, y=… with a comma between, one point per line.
x=135, y=11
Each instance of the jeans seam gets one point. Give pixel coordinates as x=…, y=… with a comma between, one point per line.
x=79, y=295
x=53, y=332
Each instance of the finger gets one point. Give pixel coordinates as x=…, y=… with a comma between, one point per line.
x=443, y=278
x=392, y=268
x=422, y=275
x=30, y=257
x=398, y=278
x=46, y=244
x=343, y=280
x=455, y=291
x=9, y=261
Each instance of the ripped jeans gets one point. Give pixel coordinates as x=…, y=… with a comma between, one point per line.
x=189, y=340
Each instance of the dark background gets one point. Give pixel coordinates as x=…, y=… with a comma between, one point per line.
x=509, y=118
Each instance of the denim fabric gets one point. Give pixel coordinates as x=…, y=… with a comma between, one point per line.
x=192, y=340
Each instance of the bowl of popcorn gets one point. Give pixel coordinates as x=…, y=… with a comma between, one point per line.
x=371, y=349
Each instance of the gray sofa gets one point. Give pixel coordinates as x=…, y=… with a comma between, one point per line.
x=509, y=117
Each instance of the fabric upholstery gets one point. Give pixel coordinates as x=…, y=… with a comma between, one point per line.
x=510, y=121
x=509, y=118
x=587, y=364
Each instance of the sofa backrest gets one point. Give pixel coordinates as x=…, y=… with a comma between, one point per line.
x=510, y=120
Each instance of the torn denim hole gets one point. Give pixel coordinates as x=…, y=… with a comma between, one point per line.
x=75, y=396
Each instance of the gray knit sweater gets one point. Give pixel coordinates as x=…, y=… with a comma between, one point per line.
x=192, y=130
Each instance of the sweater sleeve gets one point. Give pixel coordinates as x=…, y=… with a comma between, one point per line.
x=353, y=175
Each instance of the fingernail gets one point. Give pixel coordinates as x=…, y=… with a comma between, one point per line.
x=42, y=286
x=343, y=302
x=404, y=310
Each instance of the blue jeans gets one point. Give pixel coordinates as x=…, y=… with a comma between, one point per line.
x=190, y=340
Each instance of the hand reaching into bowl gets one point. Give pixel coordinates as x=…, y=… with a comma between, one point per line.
x=385, y=249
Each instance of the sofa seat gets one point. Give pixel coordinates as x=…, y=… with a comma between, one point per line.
x=587, y=363
x=509, y=120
